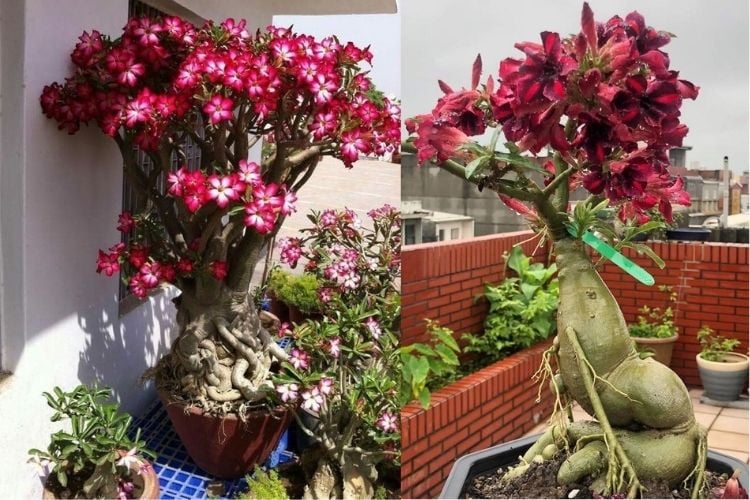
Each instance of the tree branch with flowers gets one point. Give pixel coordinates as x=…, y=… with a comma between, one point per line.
x=165, y=83
x=606, y=105
x=344, y=370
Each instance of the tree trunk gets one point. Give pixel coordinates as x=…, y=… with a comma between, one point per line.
x=224, y=351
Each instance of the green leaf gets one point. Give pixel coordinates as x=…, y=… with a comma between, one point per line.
x=446, y=354
x=424, y=398
x=62, y=478
x=645, y=249
x=447, y=338
x=476, y=166
x=517, y=261
x=520, y=161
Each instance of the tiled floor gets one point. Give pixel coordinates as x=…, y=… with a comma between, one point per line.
x=727, y=427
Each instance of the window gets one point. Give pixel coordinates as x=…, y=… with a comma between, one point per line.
x=441, y=235
x=410, y=234
x=455, y=233
x=131, y=201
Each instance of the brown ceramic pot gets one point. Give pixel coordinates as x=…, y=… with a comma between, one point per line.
x=227, y=447
x=662, y=347
x=146, y=483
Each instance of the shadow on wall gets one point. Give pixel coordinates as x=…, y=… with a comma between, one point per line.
x=118, y=350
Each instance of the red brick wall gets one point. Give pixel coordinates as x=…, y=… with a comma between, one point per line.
x=493, y=405
x=711, y=280
x=440, y=281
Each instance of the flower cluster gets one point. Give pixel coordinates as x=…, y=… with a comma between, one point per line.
x=347, y=257
x=605, y=100
x=344, y=367
x=162, y=73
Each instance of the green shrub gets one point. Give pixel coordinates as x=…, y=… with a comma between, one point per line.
x=714, y=347
x=296, y=290
x=262, y=485
x=655, y=322
x=426, y=364
x=522, y=308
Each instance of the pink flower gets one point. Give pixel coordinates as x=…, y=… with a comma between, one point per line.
x=138, y=256
x=138, y=287
x=108, y=263
x=334, y=347
x=125, y=222
x=249, y=173
x=222, y=190
x=287, y=206
x=285, y=329
x=150, y=274
x=299, y=359
x=289, y=392
x=260, y=218
x=325, y=295
x=326, y=386
x=219, y=109
x=312, y=400
x=219, y=269
x=374, y=327
x=185, y=266
x=176, y=180
x=291, y=250
x=388, y=422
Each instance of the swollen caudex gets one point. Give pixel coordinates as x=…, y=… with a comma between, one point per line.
x=646, y=429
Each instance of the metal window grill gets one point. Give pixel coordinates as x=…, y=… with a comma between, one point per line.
x=132, y=201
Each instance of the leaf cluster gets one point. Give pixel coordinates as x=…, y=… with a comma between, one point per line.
x=655, y=322
x=296, y=290
x=424, y=363
x=98, y=432
x=714, y=347
x=522, y=308
x=262, y=485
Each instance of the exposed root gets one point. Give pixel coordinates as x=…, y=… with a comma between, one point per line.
x=699, y=478
x=620, y=473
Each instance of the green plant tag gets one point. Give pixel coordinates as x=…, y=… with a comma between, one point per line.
x=618, y=259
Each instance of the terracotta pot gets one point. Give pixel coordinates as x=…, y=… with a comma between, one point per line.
x=278, y=308
x=662, y=347
x=227, y=447
x=146, y=483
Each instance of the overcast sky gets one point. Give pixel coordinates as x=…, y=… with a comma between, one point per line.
x=381, y=31
x=440, y=39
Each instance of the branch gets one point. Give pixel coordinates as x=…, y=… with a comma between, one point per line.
x=559, y=178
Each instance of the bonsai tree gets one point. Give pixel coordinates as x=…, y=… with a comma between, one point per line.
x=344, y=369
x=164, y=84
x=606, y=105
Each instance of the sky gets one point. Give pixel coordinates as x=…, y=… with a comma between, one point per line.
x=381, y=31
x=440, y=39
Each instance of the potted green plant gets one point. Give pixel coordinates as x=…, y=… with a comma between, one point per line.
x=95, y=457
x=655, y=332
x=342, y=376
x=723, y=372
x=166, y=88
x=299, y=293
x=588, y=100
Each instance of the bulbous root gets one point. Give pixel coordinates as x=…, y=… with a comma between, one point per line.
x=619, y=459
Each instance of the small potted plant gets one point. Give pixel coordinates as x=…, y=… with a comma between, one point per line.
x=342, y=376
x=655, y=331
x=299, y=293
x=96, y=458
x=722, y=371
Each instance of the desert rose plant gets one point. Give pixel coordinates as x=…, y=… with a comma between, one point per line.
x=606, y=104
x=344, y=370
x=163, y=83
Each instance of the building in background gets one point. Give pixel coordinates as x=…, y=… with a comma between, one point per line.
x=425, y=226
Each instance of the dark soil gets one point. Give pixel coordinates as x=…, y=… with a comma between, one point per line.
x=540, y=481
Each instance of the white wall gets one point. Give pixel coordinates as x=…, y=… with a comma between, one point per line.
x=63, y=197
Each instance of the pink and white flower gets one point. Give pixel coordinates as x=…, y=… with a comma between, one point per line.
x=373, y=327
x=334, y=347
x=289, y=393
x=388, y=422
x=299, y=359
x=222, y=190
x=312, y=400
x=326, y=386
x=219, y=109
